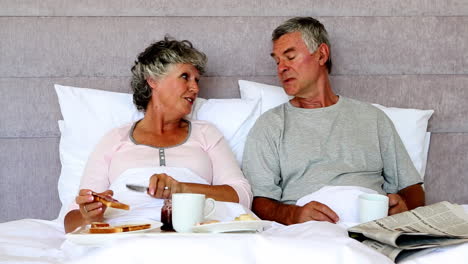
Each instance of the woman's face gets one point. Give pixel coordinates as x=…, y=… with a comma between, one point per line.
x=175, y=92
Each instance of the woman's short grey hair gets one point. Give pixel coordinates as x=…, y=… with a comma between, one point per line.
x=312, y=31
x=155, y=62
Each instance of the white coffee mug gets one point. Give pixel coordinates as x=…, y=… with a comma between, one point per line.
x=188, y=209
x=372, y=206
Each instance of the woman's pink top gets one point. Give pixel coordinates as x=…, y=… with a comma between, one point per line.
x=205, y=152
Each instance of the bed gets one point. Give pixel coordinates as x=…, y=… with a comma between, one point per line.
x=410, y=58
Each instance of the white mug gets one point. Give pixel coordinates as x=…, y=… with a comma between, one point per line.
x=188, y=209
x=372, y=206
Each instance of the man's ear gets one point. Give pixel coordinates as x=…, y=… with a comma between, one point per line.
x=324, y=53
x=152, y=83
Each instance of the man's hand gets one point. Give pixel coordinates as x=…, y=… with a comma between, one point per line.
x=315, y=211
x=288, y=214
x=406, y=199
x=396, y=204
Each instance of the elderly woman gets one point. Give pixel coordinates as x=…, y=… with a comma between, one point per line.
x=165, y=86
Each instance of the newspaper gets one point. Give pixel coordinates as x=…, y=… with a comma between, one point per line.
x=416, y=231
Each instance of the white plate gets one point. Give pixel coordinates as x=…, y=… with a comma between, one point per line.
x=232, y=227
x=83, y=237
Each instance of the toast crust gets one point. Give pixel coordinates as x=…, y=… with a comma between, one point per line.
x=99, y=224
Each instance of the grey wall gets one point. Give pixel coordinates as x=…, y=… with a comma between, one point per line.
x=397, y=53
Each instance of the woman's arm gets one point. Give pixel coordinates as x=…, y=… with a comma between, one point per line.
x=226, y=170
x=73, y=220
x=223, y=193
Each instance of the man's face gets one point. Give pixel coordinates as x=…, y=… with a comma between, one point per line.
x=297, y=68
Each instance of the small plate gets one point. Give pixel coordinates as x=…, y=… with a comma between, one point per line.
x=83, y=237
x=233, y=227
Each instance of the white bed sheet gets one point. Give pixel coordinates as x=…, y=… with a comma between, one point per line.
x=40, y=241
x=310, y=242
x=31, y=241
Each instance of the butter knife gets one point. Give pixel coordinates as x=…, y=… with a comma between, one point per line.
x=137, y=188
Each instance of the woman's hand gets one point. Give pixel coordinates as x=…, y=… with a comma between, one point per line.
x=90, y=210
x=163, y=186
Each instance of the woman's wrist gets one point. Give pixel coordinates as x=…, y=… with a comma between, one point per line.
x=184, y=187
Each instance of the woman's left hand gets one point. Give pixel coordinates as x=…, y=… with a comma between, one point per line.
x=163, y=186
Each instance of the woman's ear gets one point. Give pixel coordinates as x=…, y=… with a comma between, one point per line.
x=152, y=83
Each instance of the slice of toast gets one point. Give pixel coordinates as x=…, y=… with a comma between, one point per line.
x=117, y=229
x=127, y=228
x=105, y=230
x=110, y=202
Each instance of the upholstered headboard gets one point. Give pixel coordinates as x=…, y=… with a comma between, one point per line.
x=396, y=53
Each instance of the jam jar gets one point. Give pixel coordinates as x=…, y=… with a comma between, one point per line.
x=166, y=215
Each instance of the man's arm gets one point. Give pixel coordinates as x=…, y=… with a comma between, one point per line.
x=413, y=195
x=288, y=214
x=406, y=199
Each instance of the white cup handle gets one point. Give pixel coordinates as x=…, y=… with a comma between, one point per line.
x=212, y=206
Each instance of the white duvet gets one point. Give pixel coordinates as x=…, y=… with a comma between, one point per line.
x=39, y=241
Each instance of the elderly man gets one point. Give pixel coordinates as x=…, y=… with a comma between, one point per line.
x=319, y=138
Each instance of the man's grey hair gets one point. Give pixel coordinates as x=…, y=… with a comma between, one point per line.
x=156, y=61
x=312, y=31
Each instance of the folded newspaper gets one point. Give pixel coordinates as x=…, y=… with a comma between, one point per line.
x=417, y=231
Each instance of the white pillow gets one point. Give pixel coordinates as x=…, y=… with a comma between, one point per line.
x=270, y=95
x=411, y=124
x=234, y=118
x=89, y=114
x=427, y=141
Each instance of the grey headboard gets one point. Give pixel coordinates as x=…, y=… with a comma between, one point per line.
x=397, y=53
